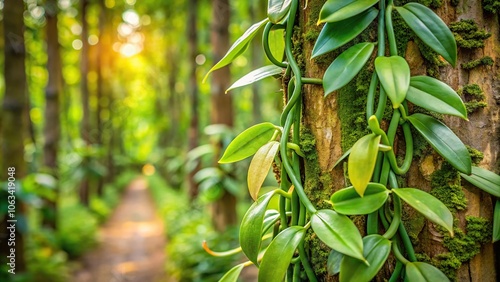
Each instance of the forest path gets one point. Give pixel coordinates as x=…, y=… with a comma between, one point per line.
x=131, y=243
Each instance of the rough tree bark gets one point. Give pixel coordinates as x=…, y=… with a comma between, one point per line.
x=224, y=209
x=84, y=92
x=332, y=125
x=13, y=123
x=52, y=128
x=193, y=131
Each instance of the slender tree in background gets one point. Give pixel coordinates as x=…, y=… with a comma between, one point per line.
x=102, y=69
x=53, y=92
x=255, y=10
x=84, y=92
x=193, y=131
x=224, y=209
x=13, y=123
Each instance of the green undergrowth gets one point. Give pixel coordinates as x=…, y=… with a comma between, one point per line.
x=187, y=225
x=49, y=253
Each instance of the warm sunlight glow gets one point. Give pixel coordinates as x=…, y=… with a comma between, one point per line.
x=129, y=49
x=76, y=29
x=131, y=17
x=77, y=44
x=93, y=39
x=200, y=59
x=148, y=169
x=125, y=29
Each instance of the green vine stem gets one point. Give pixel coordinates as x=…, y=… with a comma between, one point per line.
x=397, y=271
x=265, y=45
x=393, y=49
x=291, y=173
x=398, y=255
x=396, y=219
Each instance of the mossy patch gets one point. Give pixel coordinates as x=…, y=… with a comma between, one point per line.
x=468, y=35
x=352, y=103
x=463, y=246
x=445, y=184
x=492, y=6
x=484, y=61
x=475, y=155
x=474, y=97
x=317, y=186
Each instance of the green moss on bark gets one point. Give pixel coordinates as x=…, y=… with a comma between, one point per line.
x=474, y=97
x=492, y=6
x=468, y=35
x=445, y=184
x=484, y=61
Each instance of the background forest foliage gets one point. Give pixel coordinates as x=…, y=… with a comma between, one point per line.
x=124, y=108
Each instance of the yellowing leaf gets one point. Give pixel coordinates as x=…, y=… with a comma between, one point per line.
x=259, y=167
x=362, y=160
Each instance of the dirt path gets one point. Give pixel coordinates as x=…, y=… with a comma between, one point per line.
x=132, y=244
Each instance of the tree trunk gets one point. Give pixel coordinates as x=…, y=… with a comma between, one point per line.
x=13, y=129
x=333, y=125
x=103, y=77
x=254, y=9
x=193, y=132
x=52, y=129
x=224, y=209
x=84, y=92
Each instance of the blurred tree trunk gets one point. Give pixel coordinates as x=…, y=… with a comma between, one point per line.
x=13, y=125
x=193, y=132
x=224, y=209
x=102, y=69
x=332, y=123
x=84, y=192
x=254, y=10
x=52, y=128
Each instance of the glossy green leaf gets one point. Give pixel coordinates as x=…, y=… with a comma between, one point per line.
x=485, y=180
x=428, y=205
x=347, y=200
x=270, y=218
x=376, y=250
x=424, y=272
x=238, y=47
x=443, y=140
x=252, y=225
x=434, y=95
x=276, y=43
x=335, y=35
x=256, y=75
x=259, y=167
x=394, y=75
x=333, y=263
x=362, y=160
x=277, y=10
x=338, y=232
x=233, y=274
x=496, y=222
x=346, y=66
x=430, y=29
x=278, y=255
x=337, y=10
x=248, y=142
